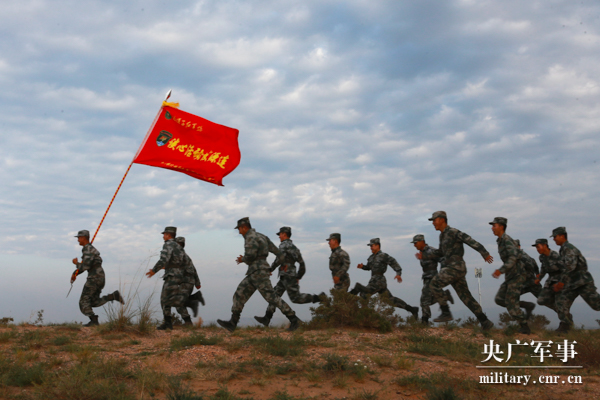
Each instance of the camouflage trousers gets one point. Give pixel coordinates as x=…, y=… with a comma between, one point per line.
x=427, y=298
x=566, y=297
x=456, y=278
x=508, y=296
x=290, y=284
x=258, y=280
x=378, y=284
x=547, y=297
x=173, y=294
x=90, y=296
x=186, y=288
x=530, y=287
x=343, y=284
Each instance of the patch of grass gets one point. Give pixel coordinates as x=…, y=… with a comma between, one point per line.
x=443, y=393
x=346, y=310
x=177, y=391
x=439, y=380
x=196, y=339
x=430, y=345
x=61, y=340
x=335, y=362
x=6, y=336
x=404, y=363
x=278, y=346
x=365, y=395
x=286, y=368
x=19, y=374
x=383, y=362
x=34, y=339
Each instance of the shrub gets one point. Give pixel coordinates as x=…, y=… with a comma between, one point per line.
x=344, y=309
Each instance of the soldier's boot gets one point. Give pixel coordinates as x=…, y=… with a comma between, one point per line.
x=266, y=320
x=356, y=290
x=117, y=297
x=193, y=304
x=445, y=316
x=563, y=327
x=524, y=328
x=414, y=311
x=198, y=296
x=486, y=324
x=319, y=298
x=528, y=308
x=294, y=323
x=449, y=296
x=93, y=321
x=425, y=321
x=167, y=324
x=231, y=324
x=187, y=321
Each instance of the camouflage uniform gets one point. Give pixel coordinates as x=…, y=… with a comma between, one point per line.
x=510, y=291
x=256, y=249
x=454, y=269
x=429, y=262
x=173, y=292
x=531, y=270
x=578, y=282
x=288, y=277
x=554, y=267
x=339, y=262
x=190, y=280
x=90, y=296
x=377, y=263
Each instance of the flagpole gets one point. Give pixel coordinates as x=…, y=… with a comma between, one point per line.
x=128, y=168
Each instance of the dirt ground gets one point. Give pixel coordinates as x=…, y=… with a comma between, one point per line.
x=243, y=364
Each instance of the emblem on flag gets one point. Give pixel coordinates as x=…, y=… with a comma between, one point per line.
x=163, y=138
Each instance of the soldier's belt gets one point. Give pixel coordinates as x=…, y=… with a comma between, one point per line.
x=376, y=274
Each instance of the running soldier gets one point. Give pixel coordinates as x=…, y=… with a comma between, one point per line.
x=256, y=249
x=575, y=281
x=92, y=263
x=553, y=266
x=510, y=291
x=339, y=262
x=454, y=269
x=429, y=264
x=289, y=279
x=531, y=271
x=190, y=279
x=377, y=264
x=173, y=292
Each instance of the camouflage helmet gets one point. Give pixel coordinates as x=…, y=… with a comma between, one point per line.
x=243, y=222
x=170, y=229
x=438, y=214
x=83, y=232
x=374, y=241
x=418, y=238
x=285, y=229
x=540, y=241
x=500, y=221
x=561, y=230
x=334, y=236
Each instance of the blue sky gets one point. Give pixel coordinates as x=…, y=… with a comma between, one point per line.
x=355, y=117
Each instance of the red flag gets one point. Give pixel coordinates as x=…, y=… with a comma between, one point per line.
x=190, y=144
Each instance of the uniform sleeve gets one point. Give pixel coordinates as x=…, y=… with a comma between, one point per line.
x=272, y=248
x=301, y=266
x=394, y=264
x=569, y=259
x=87, y=260
x=195, y=271
x=543, y=270
x=431, y=254
x=278, y=261
x=250, y=250
x=513, y=256
x=368, y=266
x=474, y=244
x=165, y=256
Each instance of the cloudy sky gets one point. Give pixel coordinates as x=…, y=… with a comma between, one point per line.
x=357, y=117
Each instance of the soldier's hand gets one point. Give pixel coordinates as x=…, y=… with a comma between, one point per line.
x=398, y=278
x=497, y=274
x=360, y=266
x=198, y=286
x=73, y=277
x=75, y=261
x=336, y=279
x=558, y=286
x=284, y=268
x=489, y=259
x=240, y=259
x=419, y=256
x=150, y=274
x=537, y=279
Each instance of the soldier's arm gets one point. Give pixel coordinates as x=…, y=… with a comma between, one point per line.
x=431, y=253
x=301, y=265
x=342, y=261
x=395, y=265
x=165, y=256
x=513, y=256
x=569, y=260
x=367, y=266
x=474, y=244
x=543, y=270
x=272, y=248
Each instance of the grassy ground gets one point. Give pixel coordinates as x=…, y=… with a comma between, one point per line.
x=116, y=361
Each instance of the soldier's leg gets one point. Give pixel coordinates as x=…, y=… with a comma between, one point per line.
x=426, y=300
x=279, y=290
x=547, y=297
x=462, y=290
x=399, y=303
x=85, y=301
x=500, y=298
x=564, y=300
x=261, y=281
x=590, y=295
x=242, y=294
x=444, y=278
x=513, y=293
x=185, y=292
x=164, y=300
x=343, y=284
x=358, y=289
x=293, y=290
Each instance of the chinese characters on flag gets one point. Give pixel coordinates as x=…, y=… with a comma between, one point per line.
x=190, y=144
